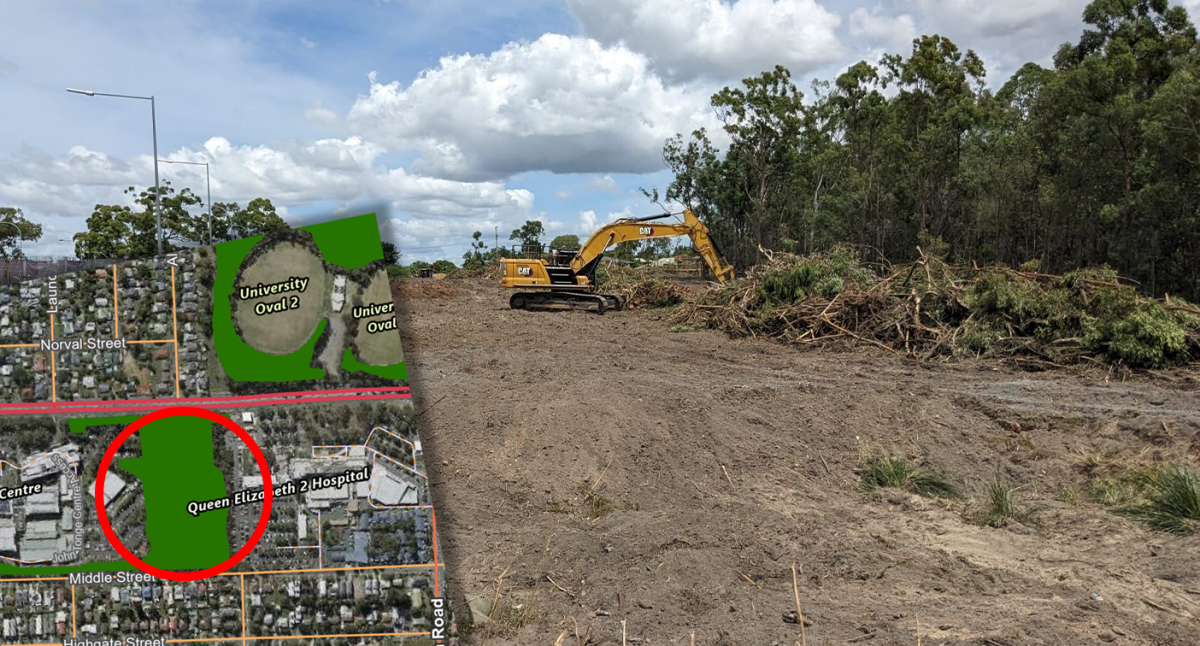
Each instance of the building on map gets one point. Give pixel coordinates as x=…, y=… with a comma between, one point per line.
x=8, y=537
x=326, y=498
x=42, y=464
x=42, y=504
x=390, y=489
x=40, y=540
x=113, y=485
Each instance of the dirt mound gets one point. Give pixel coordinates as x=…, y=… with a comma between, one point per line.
x=406, y=288
x=591, y=472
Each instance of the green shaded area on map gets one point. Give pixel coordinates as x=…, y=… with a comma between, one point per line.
x=349, y=242
x=177, y=467
x=106, y=566
x=81, y=424
x=395, y=371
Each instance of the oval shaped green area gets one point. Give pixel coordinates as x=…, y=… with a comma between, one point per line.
x=240, y=361
x=177, y=467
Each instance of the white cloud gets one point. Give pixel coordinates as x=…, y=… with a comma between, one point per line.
x=559, y=103
x=307, y=44
x=895, y=32
x=1005, y=34
x=563, y=194
x=716, y=39
x=587, y=221
x=343, y=171
x=605, y=184
x=321, y=115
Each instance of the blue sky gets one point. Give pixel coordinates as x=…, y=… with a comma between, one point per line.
x=446, y=117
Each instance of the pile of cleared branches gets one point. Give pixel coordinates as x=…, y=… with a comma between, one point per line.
x=638, y=289
x=930, y=309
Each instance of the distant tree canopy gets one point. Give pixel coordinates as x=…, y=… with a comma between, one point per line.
x=15, y=229
x=566, y=241
x=1094, y=161
x=391, y=256
x=118, y=231
x=529, y=235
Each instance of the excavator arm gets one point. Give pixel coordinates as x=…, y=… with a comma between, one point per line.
x=584, y=263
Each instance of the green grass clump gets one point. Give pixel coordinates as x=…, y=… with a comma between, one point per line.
x=898, y=473
x=1172, y=501
x=1001, y=505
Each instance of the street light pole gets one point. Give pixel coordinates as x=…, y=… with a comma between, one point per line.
x=154, y=134
x=208, y=184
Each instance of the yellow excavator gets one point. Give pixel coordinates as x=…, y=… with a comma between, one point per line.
x=568, y=280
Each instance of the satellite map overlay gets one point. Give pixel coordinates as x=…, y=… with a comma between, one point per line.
x=215, y=446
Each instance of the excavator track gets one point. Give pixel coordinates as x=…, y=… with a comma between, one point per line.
x=549, y=300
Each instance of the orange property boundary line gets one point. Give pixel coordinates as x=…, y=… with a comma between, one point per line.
x=53, y=373
x=116, y=318
x=175, y=326
x=243, y=577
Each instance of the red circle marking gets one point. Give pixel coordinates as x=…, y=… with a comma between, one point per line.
x=212, y=417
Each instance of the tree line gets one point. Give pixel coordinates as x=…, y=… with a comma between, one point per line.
x=1093, y=161
x=121, y=232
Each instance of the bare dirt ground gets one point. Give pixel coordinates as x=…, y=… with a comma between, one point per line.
x=721, y=463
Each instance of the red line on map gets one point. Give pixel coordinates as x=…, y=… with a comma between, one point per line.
x=167, y=403
x=86, y=402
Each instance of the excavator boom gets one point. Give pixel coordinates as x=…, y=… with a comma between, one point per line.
x=627, y=230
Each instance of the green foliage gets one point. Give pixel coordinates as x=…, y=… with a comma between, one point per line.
x=120, y=231
x=443, y=266
x=1172, y=500
x=1114, y=321
x=565, y=241
x=391, y=255
x=529, y=235
x=396, y=271
x=14, y=229
x=898, y=473
x=476, y=258
x=816, y=275
x=1093, y=161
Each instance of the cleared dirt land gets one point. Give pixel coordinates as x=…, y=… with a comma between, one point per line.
x=721, y=463
x=287, y=331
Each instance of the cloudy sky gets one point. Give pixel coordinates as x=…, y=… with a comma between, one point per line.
x=445, y=117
